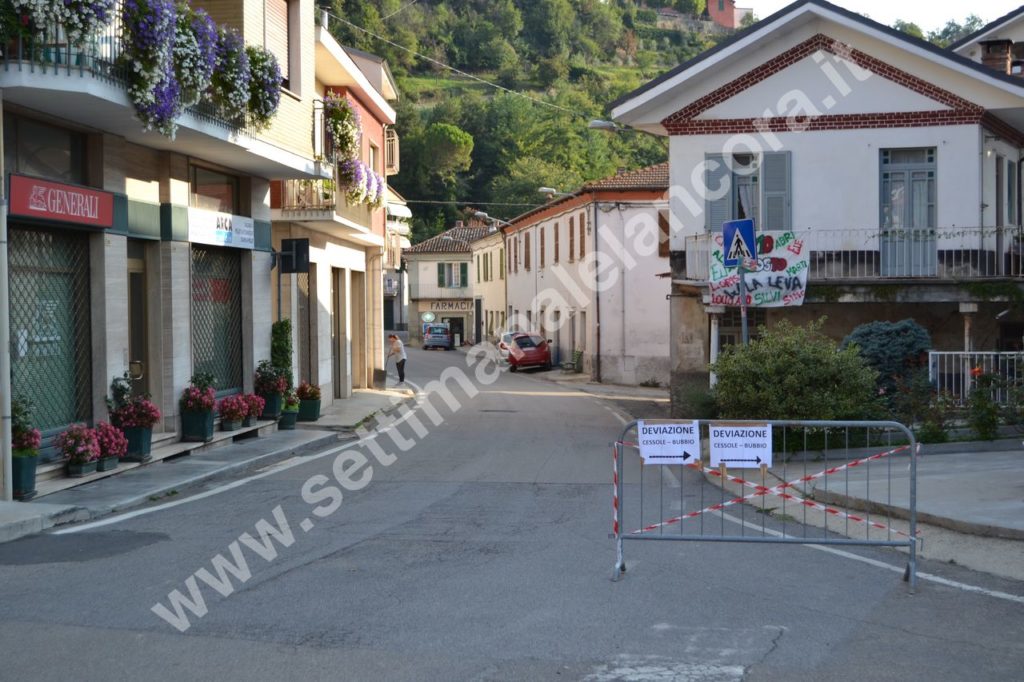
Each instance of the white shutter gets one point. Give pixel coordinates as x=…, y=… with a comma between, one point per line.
x=277, y=34
x=717, y=175
x=776, y=185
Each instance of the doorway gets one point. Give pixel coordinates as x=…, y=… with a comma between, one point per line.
x=138, y=319
x=457, y=327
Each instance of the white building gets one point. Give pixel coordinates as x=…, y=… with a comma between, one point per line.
x=895, y=163
x=489, y=285
x=396, y=283
x=599, y=295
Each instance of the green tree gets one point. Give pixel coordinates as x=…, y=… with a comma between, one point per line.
x=692, y=7
x=448, y=149
x=896, y=350
x=952, y=31
x=792, y=372
x=547, y=25
x=910, y=28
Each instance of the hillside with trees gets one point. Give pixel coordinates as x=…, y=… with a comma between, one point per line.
x=526, y=77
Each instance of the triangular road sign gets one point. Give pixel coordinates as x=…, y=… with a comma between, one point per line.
x=739, y=250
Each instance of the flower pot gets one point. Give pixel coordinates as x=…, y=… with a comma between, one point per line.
x=106, y=463
x=249, y=421
x=230, y=424
x=287, y=422
x=272, y=410
x=309, y=410
x=23, y=475
x=140, y=441
x=80, y=469
x=196, y=427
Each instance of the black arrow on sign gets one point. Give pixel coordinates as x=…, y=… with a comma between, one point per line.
x=686, y=456
x=756, y=459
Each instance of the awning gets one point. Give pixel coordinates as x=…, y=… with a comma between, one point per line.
x=399, y=210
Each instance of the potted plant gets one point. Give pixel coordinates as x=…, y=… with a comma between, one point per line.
x=80, y=448
x=233, y=409
x=309, y=402
x=197, y=403
x=135, y=416
x=290, y=411
x=25, y=442
x=255, y=405
x=270, y=384
x=113, y=446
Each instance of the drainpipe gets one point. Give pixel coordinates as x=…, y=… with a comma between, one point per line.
x=597, y=296
x=5, y=341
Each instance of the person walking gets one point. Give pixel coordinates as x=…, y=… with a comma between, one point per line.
x=398, y=350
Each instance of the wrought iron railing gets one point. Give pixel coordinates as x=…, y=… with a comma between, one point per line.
x=956, y=374
x=945, y=253
x=309, y=195
x=48, y=51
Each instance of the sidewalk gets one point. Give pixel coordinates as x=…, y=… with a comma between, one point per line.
x=181, y=467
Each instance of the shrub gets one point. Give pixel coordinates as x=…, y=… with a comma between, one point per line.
x=24, y=437
x=897, y=350
x=199, y=395
x=233, y=408
x=270, y=380
x=281, y=348
x=307, y=391
x=291, y=401
x=78, y=444
x=982, y=409
x=111, y=440
x=793, y=372
x=255, y=404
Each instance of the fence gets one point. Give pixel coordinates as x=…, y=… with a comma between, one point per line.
x=954, y=373
x=807, y=468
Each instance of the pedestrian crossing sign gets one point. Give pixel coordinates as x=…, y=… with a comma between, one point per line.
x=738, y=242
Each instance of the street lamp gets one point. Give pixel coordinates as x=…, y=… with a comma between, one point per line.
x=610, y=126
x=482, y=215
x=552, y=192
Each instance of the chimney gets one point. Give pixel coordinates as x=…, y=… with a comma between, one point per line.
x=997, y=54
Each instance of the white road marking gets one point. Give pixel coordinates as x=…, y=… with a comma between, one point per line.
x=881, y=564
x=277, y=468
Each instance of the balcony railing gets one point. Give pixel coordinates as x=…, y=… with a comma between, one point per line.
x=951, y=374
x=948, y=253
x=48, y=51
x=308, y=195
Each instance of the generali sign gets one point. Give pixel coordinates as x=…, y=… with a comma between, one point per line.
x=34, y=198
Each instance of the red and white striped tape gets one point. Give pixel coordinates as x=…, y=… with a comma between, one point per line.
x=615, y=490
x=779, y=491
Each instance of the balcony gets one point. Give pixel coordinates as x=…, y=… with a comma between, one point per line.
x=390, y=286
x=946, y=254
x=319, y=205
x=86, y=85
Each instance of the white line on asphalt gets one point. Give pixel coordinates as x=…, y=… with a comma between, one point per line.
x=881, y=564
x=277, y=468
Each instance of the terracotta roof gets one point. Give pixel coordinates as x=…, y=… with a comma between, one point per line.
x=455, y=240
x=652, y=177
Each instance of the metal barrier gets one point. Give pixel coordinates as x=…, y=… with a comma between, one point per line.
x=808, y=469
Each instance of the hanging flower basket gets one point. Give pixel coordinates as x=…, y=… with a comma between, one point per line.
x=344, y=126
x=229, y=87
x=352, y=176
x=264, y=85
x=195, y=54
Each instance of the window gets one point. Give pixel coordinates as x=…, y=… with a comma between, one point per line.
x=908, y=188
x=664, y=232
x=374, y=157
x=540, y=258
x=730, y=330
x=501, y=263
x=278, y=26
x=452, y=275
x=572, y=238
x=755, y=187
x=214, y=191
x=721, y=5
x=557, y=230
x=526, y=250
x=43, y=151
x=516, y=244
x=583, y=227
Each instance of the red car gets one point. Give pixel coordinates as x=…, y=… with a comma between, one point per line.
x=529, y=350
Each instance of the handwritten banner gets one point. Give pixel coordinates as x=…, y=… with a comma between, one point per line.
x=779, y=280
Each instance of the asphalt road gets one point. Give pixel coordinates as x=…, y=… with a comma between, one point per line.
x=479, y=552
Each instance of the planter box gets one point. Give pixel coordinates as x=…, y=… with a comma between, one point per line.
x=287, y=422
x=230, y=424
x=249, y=421
x=106, y=463
x=272, y=410
x=196, y=427
x=23, y=476
x=78, y=470
x=309, y=410
x=140, y=442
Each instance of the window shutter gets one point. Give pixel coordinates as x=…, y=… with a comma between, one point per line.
x=478, y=268
x=501, y=264
x=463, y=275
x=558, y=229
x=776, y=184
x=526, y=251
x=572, y=238
x=663, y=234
x=440, y=275
x=540, y=257
x=277, y=34
x=716, y=175
x=583, y=227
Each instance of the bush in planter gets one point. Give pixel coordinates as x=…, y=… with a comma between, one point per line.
x=81, y=449
x=25, y=441
x=197, y=403
x=290, y=411
x=112, y=445
x=233, y=409
x=271, y=383
x=309, y=401
x=255, y=404
x=135, y=416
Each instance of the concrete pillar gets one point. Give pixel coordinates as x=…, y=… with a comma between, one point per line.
x=108, y=294
x=968, y=310
x=176, y=327
x=715, y=313
x=343, y=340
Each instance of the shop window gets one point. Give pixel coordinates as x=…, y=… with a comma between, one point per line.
x=44, y=151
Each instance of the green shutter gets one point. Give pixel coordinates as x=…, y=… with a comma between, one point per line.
x=463, y=275
x=440, y=275
x=716, y=176
x=776, y=185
